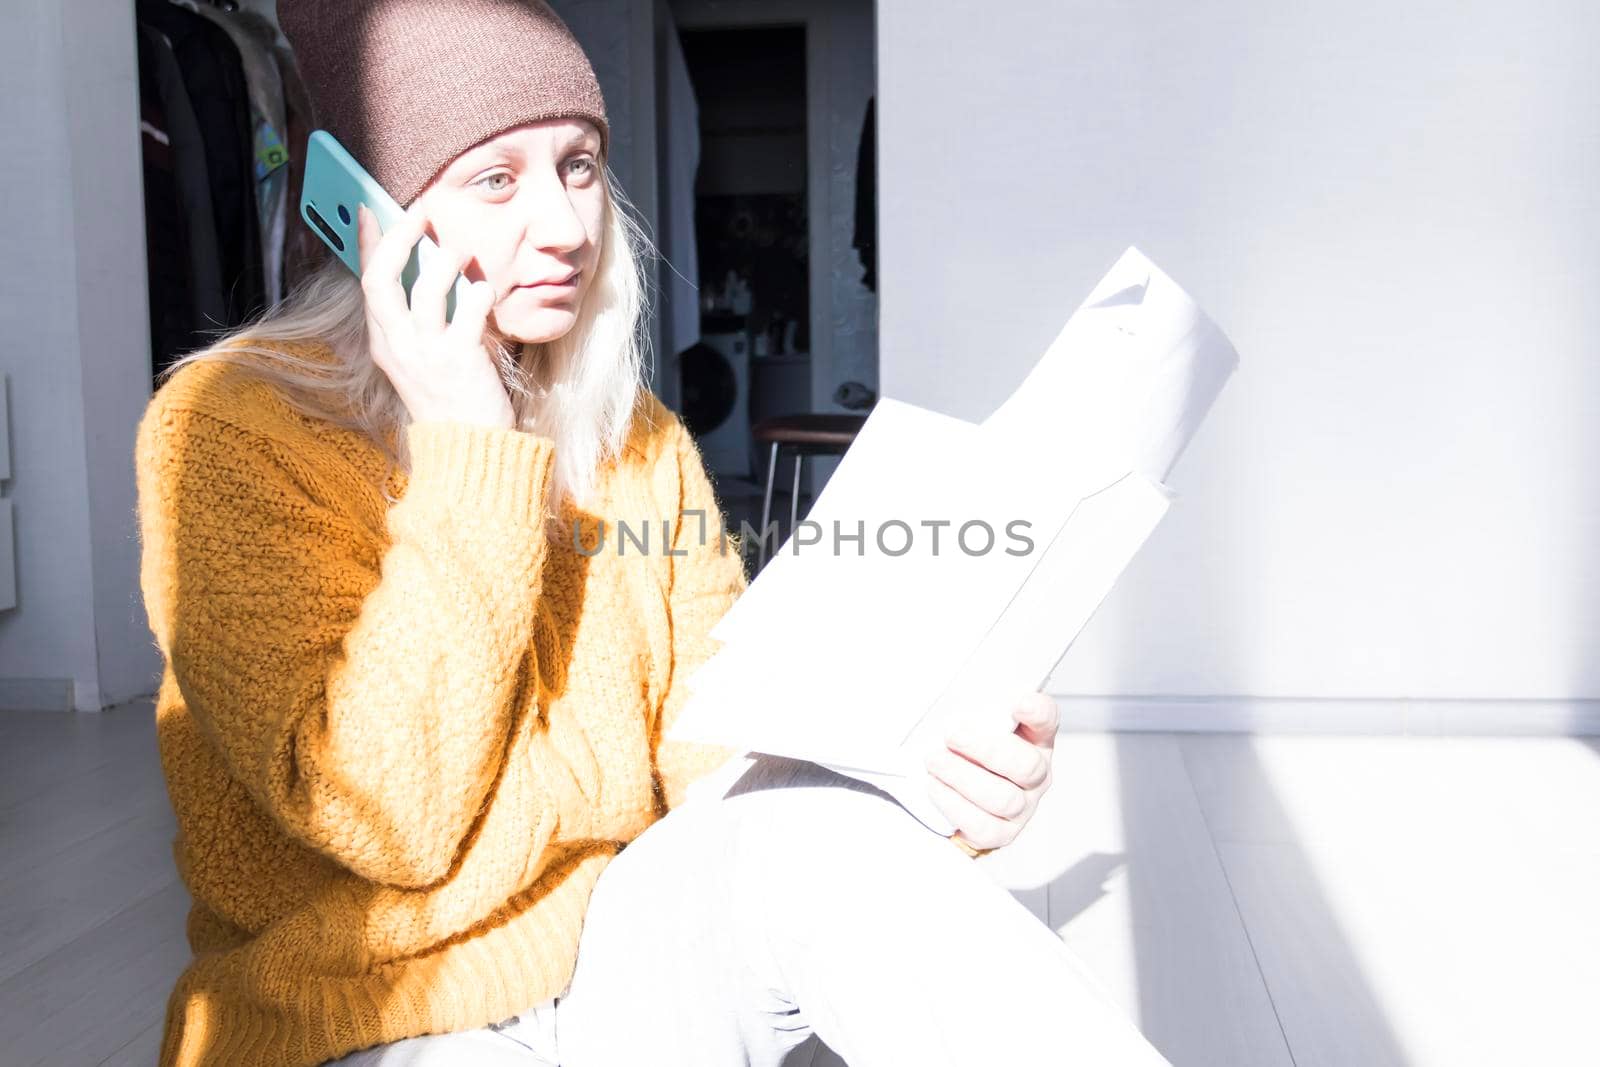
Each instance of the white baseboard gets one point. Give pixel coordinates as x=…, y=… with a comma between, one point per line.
x=54, y=694
x=36, y=694
x=1329, y=715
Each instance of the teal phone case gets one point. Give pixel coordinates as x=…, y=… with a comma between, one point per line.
x=334, y=184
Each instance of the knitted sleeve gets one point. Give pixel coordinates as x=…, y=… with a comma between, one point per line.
x=363, y=699
x=967, y=847
x=707, y=577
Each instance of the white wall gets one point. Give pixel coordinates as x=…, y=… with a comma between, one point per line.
x=1394, y=211
x=77, y=348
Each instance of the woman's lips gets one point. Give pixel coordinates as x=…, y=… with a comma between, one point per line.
x=559, y=287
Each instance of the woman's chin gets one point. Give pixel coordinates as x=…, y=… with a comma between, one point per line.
x=538, y=325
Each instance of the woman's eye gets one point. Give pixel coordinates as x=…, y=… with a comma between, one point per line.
x=586, y=163
x=492, y=177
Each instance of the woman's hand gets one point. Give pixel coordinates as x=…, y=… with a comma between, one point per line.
x=989, y=784
x=442, y=371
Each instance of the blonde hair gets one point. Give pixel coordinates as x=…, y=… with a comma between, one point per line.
x=580, y=389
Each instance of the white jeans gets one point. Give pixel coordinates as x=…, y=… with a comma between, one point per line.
x=799, y=900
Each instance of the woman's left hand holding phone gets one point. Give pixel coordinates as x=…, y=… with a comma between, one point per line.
x=442, y=370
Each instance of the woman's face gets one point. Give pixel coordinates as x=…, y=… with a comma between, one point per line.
x=527, y=208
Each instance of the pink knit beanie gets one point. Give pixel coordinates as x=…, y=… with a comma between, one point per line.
x=408, y=85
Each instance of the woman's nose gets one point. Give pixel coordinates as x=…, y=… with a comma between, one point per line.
x=552, y=221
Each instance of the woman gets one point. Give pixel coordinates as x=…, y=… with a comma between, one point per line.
x=412, y=710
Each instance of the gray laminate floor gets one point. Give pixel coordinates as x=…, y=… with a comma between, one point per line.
x=1315, y=901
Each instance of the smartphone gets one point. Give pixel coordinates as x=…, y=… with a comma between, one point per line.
x=334, y=185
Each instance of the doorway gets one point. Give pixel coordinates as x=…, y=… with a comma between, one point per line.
x=785, y=229
x=752, y=238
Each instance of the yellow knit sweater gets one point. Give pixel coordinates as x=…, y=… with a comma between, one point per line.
x=402, y=741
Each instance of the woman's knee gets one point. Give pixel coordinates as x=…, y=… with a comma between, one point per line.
x=789, y=827
x=828, y=832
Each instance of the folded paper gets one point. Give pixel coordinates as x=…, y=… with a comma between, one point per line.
x=947, y=566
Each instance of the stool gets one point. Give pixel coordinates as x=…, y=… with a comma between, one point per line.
x=805, y=435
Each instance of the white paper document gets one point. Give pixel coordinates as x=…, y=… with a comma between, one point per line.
x=947, y=566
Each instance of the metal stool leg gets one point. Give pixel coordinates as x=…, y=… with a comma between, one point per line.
x=766, y=507
x=794, y=494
